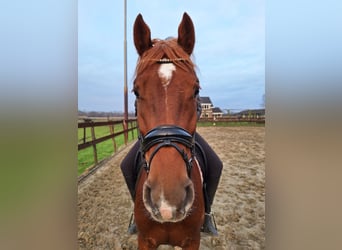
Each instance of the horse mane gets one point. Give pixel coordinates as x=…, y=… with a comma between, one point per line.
x=169, y=49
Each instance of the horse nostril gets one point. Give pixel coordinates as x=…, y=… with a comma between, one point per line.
x=148, y=188
x=188, y=188
x=189, y=194
x=148, y=201
x=147, y=193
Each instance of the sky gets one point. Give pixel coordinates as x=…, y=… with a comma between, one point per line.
x=229, y=50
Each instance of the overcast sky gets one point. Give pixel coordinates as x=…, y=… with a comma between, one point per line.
x=229, y=49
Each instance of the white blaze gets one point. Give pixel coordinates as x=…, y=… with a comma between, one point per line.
x=165, y=209
x=165, y=73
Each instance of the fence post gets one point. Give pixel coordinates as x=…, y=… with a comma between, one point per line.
x=94, y=145
x=125, y=128
x=132, y=130
x=84, y=134
x=111, y=128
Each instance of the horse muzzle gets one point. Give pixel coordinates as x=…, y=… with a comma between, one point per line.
x=168, y=208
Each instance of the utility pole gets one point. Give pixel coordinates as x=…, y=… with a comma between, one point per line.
x=125, y=74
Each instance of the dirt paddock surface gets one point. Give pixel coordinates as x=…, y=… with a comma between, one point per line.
x=105, y=207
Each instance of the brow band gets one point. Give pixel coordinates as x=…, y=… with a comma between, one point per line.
x=166, y=60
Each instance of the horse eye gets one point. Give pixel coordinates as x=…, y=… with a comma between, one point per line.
x=196, y=92
x=136, y=93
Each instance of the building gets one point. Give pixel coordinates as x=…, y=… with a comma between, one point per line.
x=217, y=113
x=207, y=107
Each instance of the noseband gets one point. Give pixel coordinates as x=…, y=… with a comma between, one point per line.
x=167, y=136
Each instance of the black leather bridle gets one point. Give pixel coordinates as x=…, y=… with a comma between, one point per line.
x=167, y=136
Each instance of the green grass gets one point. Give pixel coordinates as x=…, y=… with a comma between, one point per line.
x=104, y=149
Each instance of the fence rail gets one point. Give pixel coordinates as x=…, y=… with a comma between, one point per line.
x=233, y=119
x=127, y=127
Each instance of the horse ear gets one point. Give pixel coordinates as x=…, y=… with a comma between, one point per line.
x=186, y=34
x=142, y=35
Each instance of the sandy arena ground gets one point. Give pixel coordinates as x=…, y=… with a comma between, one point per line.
x=105, y=207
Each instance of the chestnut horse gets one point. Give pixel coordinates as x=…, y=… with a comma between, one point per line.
x=169, y=203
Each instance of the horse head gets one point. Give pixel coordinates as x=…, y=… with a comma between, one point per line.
x=166, y=89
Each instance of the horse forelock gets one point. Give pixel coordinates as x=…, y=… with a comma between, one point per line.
x=168, y=48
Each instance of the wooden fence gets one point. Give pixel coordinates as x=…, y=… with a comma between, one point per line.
x=128, y=126
x=234, y=119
